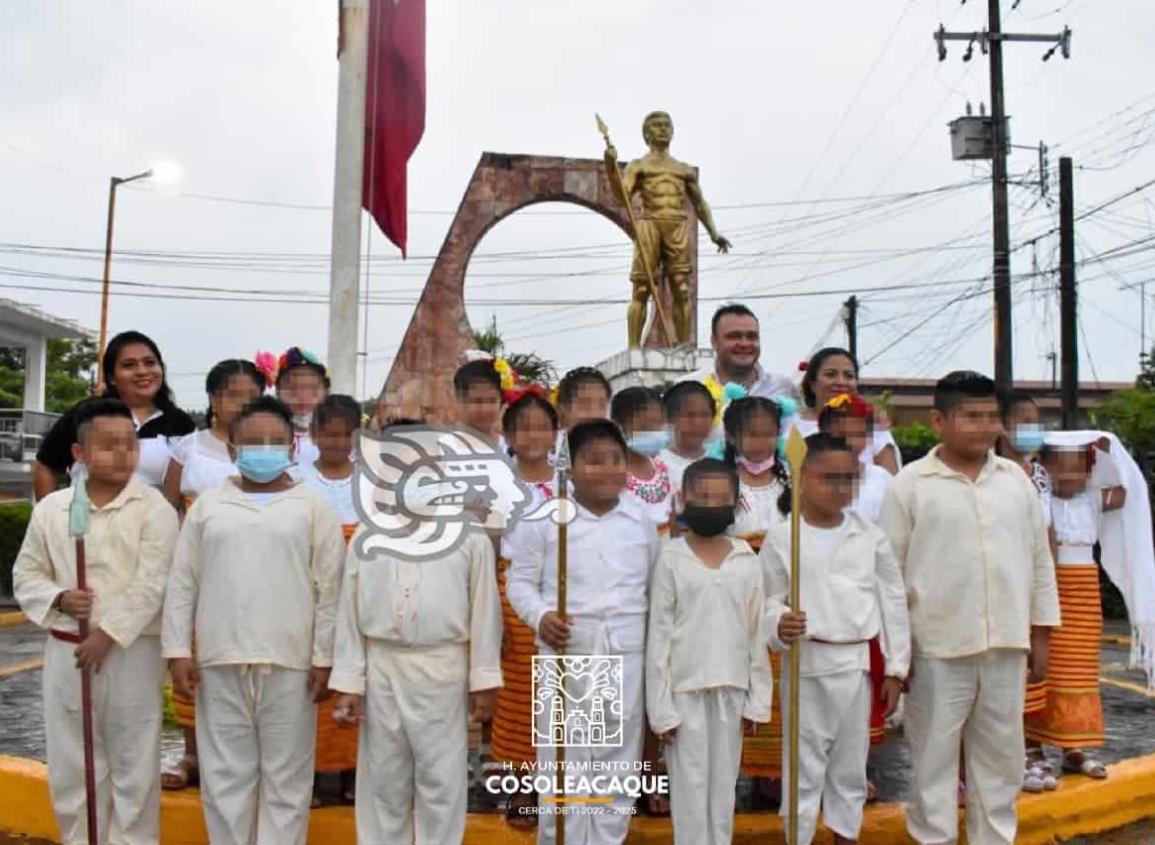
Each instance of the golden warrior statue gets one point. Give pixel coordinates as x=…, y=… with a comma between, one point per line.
x=662, y=234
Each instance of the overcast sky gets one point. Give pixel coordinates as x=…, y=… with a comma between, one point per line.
x=786, y=113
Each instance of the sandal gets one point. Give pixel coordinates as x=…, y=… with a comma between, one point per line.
x=1038, y=763
x=1079, y=763
x=1033, y=779
x=187, y=774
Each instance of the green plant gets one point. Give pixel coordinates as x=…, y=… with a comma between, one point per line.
x=914, y=440
x=530, y=366
x=14, y=518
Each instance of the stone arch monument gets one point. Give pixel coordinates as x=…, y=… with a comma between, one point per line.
x=420, y=381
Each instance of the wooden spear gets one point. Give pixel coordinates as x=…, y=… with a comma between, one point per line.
x=795, y=456
x=77, y=526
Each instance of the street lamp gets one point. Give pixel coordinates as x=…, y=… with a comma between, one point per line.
x=162, y=173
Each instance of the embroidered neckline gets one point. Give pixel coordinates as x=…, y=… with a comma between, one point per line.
x=654, y=490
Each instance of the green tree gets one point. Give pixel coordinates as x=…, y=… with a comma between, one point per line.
x=68, y=374
x=70, y=368
x=1131, y=415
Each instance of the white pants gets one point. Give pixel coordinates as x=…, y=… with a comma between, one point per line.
x=833, y=741
x=703, y=759
x=256, y=727
x=126, y=719
x=412, y=761
x=978, y=701
x=600, y=824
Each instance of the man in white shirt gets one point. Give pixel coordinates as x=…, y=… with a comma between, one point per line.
x=415, y=641
x=256, y=576
x=737, y=345
x=612, y=547
x=129, y=542
x=969, y=536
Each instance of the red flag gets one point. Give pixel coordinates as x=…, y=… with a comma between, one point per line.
x=394, y=110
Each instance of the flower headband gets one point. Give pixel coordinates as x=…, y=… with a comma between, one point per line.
x=852, y=404
x=266, y=365
x=295, y=356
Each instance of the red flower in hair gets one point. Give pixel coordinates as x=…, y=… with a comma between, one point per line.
x=803, y=365
x=511, y=395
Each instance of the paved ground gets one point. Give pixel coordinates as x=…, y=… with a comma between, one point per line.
x=1129, y=717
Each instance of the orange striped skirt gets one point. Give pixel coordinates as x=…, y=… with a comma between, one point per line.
x=1073, y=714
x=336, y=745
x=511, y=734
x=762, y=750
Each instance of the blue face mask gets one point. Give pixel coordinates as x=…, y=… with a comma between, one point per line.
x=263, y=464
x=648, y=443
x=1027, y=438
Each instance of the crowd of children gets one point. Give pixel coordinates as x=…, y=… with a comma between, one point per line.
x=965, y=579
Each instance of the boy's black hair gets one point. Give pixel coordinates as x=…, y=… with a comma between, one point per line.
x=586, y=433
x=733, y=309
x=263, y=405
x=475, y=372
x=819, y=443
x=527, y=400
x=220, y=375
x=338, y=406
x=568, y=386
x=1008, y=399
x=956, y=387
x=815, y=364
x=92, y=409
x=706, y=467
x=677, y=397
x=631, y=401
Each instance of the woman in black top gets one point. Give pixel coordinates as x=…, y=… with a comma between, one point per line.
x=133, y=372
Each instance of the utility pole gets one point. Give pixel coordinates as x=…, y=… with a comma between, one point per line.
x=1068, y=296
x=850, y=317
x=1004, y=328
x=991, y=42
x=345, y=260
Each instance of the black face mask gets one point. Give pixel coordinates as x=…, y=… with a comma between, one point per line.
x=708, y=522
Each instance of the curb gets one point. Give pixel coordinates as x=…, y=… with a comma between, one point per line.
x=1079, y=807
x=12, y=618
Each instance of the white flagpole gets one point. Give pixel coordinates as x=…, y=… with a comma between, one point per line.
x=345, y=266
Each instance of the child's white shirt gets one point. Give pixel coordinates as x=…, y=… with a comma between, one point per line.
x=609, y=562
x=871, y=491
x=851, y=592
x=1077, y=522
x=705, y=631
x=128, y=549
x=205, y=462
x=757, y=509
x=336, y=493
x=257, y=583
x=420, y=605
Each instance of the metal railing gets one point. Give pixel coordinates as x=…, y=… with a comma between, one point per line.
x=21, y=432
